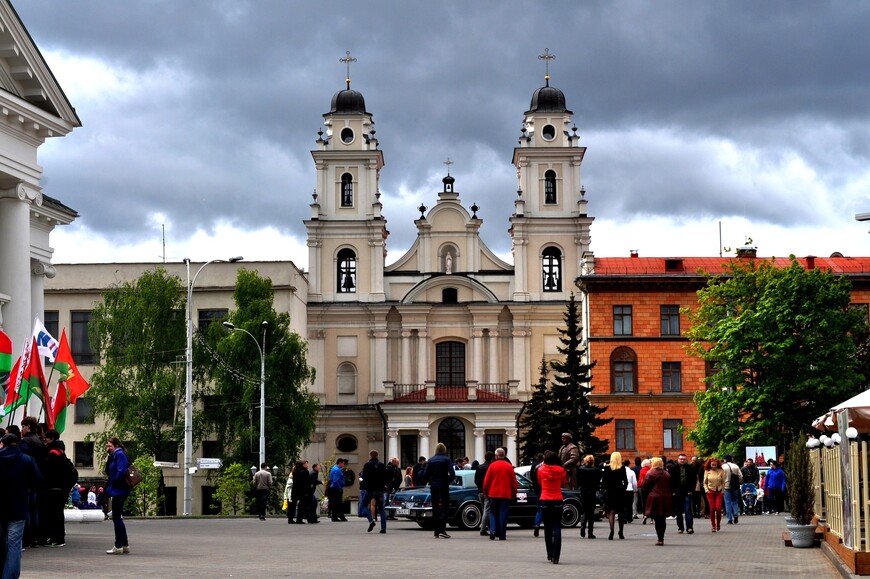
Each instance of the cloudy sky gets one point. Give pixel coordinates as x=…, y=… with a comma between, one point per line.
x=199, y=117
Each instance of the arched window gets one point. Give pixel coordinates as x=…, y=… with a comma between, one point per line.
x=346, y=278
x=623, y=370
x=450, y=364
x=550, y=187
x=552, y=269
x=347, y=190
x=451, y=432
x=346, y=379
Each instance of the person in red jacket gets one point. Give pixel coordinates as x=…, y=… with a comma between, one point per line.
x=551, y=477
x=500, y=486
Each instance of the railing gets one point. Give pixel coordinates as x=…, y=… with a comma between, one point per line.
x=472, y=391
x=829, y=491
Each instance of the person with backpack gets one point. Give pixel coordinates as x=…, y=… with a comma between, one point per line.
x=59, y=476
x=733, y=480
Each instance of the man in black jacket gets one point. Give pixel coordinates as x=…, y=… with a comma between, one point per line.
x=439, y=473
x=374, y=482
x=683, y=479
x=18, y=474
x=314, y=504
x=479, y=475
x=54, y=493
x=394, y=481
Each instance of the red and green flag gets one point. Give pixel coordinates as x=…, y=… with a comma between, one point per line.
x=27, y=378
x=70, y=384
x=5, y=361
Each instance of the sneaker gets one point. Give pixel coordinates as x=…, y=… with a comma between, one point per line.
x=115, y=551
x=55, y=544
x=383, y=531
x=126, y=549
x=443, y=535
x=371, y=526
x=537, y=531
x=691, y=531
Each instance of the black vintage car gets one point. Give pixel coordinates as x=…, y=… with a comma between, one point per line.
x=464, y=510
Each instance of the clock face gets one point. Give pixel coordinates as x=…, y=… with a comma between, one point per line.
x=548, y=132
x=347, y=135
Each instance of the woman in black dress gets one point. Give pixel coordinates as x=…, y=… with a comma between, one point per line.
x=615, y=481
x=589, y=481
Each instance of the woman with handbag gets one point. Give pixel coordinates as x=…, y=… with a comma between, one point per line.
x=615, y=481
x=118, y=491
x=589, y=482
x=714, y=485
x=659, y=500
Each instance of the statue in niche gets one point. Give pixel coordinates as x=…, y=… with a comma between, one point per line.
x=448, y=264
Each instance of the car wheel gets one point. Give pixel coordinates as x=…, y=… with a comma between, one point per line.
x=469, y=516
x=570, y=514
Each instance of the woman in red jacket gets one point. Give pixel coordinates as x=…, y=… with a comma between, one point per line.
x=552, y=477
x=659, y=500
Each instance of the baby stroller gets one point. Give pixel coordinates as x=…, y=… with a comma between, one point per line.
x=749, y=495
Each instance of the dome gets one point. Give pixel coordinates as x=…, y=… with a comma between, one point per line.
x=448, y=180
x=548, y=99
x=347, y=102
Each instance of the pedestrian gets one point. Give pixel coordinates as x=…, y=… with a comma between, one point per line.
x=630, y=491
x=659, y=500
x=18, y=474
x=551, y=477
x=614, y=481
x=416, y=472
x=314, y=510
x=374, y=475
x=683, y=481
x=775, y=482
x=569, y=454
x=644, y=468
x=733, y=480
x=334, y=491
x=288, y=499
x=262, y=487
x=500, y=485
x=589, y=480
x=533, y=476
x=394, y=482
x=485, y=503
x=714, y=485
x=32, y=445
x=118, y=491
x=409, y=479
x=300, y=494
x=438, y=472
x=54, y=491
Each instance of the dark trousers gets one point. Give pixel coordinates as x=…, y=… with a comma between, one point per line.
x=262, y=500
x=313, y=509
x=118, y=521
x=379, y=505
x=31, y=523
x=683, y=511
x=440, y=500
x=588, y=512
x=552, y=511
x=52, y=504
x=776, y=500
x=336, y=505
x=498, y=515
x=661, y=524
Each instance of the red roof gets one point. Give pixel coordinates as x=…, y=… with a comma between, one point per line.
x=691, y=265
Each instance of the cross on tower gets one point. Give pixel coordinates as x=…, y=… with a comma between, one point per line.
x=448, y=162
x=347, y=60
x=546, y=57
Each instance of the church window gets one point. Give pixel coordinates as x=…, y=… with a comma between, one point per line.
x=347, y=135
x=449, y=295
x=623, y=370
x=552, y=269
x=450, y=364
x=451, y=432
x=346, y=271
x=548, y=132
x=347, y=190
x=346, y=379
x=550, y=187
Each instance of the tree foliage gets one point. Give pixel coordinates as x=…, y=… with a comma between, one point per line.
x=230, y=378
x=139, y=335
x=536, y=420
x=781, y=340
x=232, y=490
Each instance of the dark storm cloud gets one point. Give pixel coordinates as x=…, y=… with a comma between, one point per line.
x=234, y=93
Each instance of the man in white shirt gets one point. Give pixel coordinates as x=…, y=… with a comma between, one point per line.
x=630, y=490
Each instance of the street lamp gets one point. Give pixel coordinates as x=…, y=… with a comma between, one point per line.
x=188, y=388
x=262, y=383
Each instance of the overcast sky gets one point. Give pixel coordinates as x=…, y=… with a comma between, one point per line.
x=200, y=117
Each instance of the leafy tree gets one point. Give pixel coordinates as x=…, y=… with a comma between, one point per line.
x=144, y=499
x=536, y=420
x=138, y=334
x=782, y=342
x=230, y=379
x=232, y=491
x=569, y=407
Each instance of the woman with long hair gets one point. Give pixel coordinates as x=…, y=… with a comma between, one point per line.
x=714, y=485
x=551, y=477
x=409, y=479
x=589, y=481
x=614, y=481
x=659, y=503
x=118, y=491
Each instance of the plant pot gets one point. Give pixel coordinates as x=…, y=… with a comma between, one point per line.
x=790, y=520
x=802, y=536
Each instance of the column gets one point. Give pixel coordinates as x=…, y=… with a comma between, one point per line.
x=479, y=444
x=15, y=274
x=405, y=363
x=378, y=362
x=422, y=356
x=511, y=443
x=392, y=444
x=424, y=442
x=477, y=355
x=493, y=357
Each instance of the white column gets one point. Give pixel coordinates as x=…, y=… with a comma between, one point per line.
x=15, y=276
x=493, y=356
x=422, y=356
x=424, y=442
x=405, y=363
x=520, y=352
x=378, y=362
x=479, y=444
x=477, y=355
x=511, y=443
x=392, y=444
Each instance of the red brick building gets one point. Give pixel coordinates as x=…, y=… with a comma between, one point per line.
x=644, y=373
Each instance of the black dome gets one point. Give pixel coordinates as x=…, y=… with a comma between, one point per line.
x=347, y=102
x=448, y=180
x=548, y=99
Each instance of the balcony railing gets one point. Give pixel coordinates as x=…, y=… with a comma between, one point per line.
x=471, y=391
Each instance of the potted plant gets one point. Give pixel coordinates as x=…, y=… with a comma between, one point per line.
x=800, y=494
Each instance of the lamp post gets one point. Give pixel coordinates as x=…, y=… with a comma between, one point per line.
x=262, y=350
x=188, y=388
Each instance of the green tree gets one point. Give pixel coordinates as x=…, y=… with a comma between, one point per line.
x=536, y=420
x=232, y=490
x=139, y=335
x=571, y=409
x=782, y=342
x=230, y=379
x=144, y=500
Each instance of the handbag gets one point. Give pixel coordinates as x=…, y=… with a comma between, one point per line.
x=133, y=476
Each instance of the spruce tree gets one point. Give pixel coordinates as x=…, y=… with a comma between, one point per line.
x=536, y=420
x=571, y=408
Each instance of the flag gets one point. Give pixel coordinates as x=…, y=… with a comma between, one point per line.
x=75, y=384
x=5, y=362
x=27, y=379
x=46, y=342
x=57, y=415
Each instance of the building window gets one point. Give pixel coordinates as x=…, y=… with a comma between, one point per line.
x=711, y=368
x=80, y=345
x=493, y=441
x=408, y=449
x=168, y=451
x=347, y=190
x=623, y=374
x=346, y=443
x=449, y=295
x=212, y=449
x=672, y=377
x=625, y=434
x=51, y=320
x=552, y=269
x=84, y=413
x=673, y=438
x=670, y=320
x=550, y=187
x=451, y=432
x=346, y=271
x=206, y=317
x=346, y=379
x=450, y=364
x=84, y=454
x=621, y=320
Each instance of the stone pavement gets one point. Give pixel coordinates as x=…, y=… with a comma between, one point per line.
x=247, y=547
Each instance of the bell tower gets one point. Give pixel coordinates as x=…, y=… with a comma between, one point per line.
x=549, y=227
x=346, y=231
